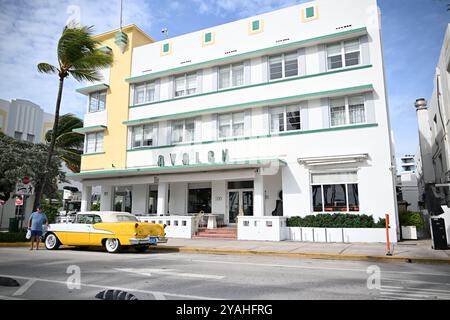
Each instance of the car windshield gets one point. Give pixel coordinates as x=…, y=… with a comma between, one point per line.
x=124, y=218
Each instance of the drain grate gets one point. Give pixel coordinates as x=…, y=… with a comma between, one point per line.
x=115, y=295
x=8, y=282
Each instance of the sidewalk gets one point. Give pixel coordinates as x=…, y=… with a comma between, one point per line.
x=408, y=251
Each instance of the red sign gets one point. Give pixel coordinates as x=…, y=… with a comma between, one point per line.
x=26, y=180
x=19, y=201
x=2, y=202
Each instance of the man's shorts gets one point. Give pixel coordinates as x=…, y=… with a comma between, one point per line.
x=36, y=233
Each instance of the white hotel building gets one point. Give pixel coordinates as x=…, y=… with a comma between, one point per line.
x=227, y=119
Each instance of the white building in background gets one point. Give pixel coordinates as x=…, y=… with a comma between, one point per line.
x=434, y=124
x=224, y=119
x=24, y=120
x=407, y=182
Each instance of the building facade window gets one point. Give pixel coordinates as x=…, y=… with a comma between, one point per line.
x=143, y=136
x=186, y=84
x=144, y=92
x=285, y=118
x=199, y=197
x=335, y=192
x=94, y=142
x=231, y=124
x=343, y=54
x=30, y=137
x=18, y=135
x=347, y=110
x=231, y=75
x=97, y=101
x=283, y=65
x=183, y=130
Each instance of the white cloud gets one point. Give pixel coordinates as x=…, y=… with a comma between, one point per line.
x=30, y=32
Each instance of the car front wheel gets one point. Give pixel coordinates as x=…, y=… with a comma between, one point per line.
x=112, y=245
x=52, y=242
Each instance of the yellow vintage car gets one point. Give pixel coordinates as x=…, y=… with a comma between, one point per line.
x=112, y=230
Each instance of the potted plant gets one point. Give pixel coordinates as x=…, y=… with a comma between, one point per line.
x=410, y=223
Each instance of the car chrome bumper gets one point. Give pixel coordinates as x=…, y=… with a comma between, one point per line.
x=147, y=240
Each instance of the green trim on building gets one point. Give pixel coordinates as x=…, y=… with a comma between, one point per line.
x=166, y=47
x=94, y=88
x=255, y=25
x=245, y=54
x=208, y=37
x=89, y=129
x=197, y=165
x=251, y=85
x=92, y=154
x=253, y=103
x=281, y=134
x=309, y=12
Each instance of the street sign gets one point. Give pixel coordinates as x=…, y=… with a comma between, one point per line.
x=2, y=202
x=26, y=180
x=19, y=201
x=24, y=189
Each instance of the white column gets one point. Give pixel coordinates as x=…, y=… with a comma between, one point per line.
x=139, y=199
x=163, y=193
x=106, y=198
x=86, y=194
x=258, y=196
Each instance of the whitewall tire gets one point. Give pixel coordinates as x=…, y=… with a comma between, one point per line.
x=52, y=242
x=112, y=245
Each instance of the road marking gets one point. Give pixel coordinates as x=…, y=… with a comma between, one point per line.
x=24, y=287
x=416, y=281
x=187, y=296
x=316, y=268
x=411, y=293
x=159, y=296
x=10, y=298
x=170, y=272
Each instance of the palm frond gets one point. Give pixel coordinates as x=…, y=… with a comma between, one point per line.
x=86, y=75
x=93, y=60
x=46, y=68
x=74, y=43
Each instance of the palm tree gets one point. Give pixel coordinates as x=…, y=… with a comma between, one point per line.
x=68, y=144
x=79, y=57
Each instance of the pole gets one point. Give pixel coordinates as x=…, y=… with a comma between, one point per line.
x=1, y=219
x=388, y=244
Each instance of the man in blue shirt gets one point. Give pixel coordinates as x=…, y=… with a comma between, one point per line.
x=37, y=219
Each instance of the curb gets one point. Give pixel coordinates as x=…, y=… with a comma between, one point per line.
x=323, y=256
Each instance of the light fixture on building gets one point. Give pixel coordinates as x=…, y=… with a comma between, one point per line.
x=165, y=31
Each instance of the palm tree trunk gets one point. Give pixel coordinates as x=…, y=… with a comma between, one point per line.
x=42, y=183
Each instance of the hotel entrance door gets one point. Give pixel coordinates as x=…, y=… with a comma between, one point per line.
x=240, y=202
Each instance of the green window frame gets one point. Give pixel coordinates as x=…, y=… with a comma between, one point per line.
x=166, y=47
x=309, y=12
x=256, y=25
x=208, y=37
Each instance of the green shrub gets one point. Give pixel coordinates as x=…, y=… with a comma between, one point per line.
x=13, y=236
x=95, y=206
x=50, y=210
x=336, y=220
x=409, y=218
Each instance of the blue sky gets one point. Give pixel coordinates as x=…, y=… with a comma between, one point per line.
x=413, y=31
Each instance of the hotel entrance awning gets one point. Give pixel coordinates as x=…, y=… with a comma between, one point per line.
x=192, y=168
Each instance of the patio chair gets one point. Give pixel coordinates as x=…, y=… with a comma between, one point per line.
x=200, y=220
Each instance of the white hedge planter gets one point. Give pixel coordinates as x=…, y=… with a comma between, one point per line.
x=339, y=235
x=176, y=226
x=409, y=232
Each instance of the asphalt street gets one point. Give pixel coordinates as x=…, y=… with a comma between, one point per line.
x=80, y=274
